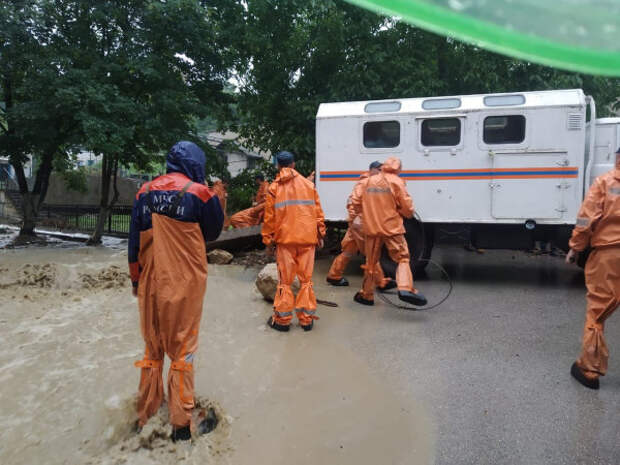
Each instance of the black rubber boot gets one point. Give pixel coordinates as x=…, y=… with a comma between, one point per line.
x=308, y=327
x=360, y=300
x=208, y=424
x=579, y=376
x=390, y=285
x=181, y=434
x=338, y=282
x=412, y=298
x=276, y=326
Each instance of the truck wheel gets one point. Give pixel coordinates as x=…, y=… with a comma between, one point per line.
x=419, y=239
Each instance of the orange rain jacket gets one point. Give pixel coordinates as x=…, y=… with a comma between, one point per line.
x=384, y=210
x=252, y=216
x=220, y=191
x=598, y=220
x=293, y=213
x=261, y=194
x=356, y=193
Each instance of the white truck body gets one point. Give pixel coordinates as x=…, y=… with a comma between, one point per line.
x=474, y=159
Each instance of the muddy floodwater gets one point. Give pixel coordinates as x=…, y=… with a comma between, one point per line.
x=70, y=336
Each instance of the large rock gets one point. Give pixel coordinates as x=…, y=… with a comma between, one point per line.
x=267, y=282
x=219, y=257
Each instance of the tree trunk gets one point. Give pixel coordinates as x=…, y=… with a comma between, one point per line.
x=109, y=168
x=32, y=201
x=30, y=217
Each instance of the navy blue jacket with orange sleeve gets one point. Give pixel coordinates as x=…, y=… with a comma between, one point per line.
x=184, y=164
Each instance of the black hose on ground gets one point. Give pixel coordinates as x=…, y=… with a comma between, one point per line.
x=327, y=303
x=428, y=260
x=383, y=297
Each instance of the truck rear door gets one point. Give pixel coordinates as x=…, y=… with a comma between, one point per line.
x=526, y=183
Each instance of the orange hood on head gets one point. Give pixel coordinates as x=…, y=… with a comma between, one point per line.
x=286, y=174
x=391, y=165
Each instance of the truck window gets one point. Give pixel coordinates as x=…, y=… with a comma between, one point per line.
x=381, y=134
x=441, y=132
x=508, y=129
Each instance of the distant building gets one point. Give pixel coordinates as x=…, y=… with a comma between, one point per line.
x=238, y=157
x=86, y=159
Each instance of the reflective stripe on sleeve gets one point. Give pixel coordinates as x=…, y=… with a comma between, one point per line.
x=614, y=190
x=286, y=203
x=584, y=222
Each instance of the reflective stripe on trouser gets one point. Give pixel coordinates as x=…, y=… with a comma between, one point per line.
x=603, y=297
x=352, y=243
x=170, y=295
x=294, y=260
x=398, y=251
x=248, y=217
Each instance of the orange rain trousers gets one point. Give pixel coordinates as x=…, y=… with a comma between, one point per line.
x=352, y=243
x=170, y=293
x=398, y=251
x=294, y=260
x=249, y=217
x=603, y=297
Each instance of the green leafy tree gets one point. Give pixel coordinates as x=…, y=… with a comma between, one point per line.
x=144, y=71
x=36, y=123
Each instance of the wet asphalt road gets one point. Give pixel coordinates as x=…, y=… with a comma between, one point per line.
x=491, y=365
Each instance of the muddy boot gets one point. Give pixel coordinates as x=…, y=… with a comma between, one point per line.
x=308, y=327
x=278, y=327
x=338, y=282
x=208, y=424
x=413, y=298
x=181, y=434
x=391, y=284
x=360, y=300
x=591, y=383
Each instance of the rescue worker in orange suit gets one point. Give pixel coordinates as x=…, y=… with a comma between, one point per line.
x=219, y=188
x=383, y=203
x=353, y=241
x=295, y=226
x=598, y=227
x=172, y=217
x=252, y=216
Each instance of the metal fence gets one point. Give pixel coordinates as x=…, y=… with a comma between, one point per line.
x=84, y=218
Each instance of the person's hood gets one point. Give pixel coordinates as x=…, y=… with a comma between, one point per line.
x=391, y=165
x=286, y=174
x=188, y=159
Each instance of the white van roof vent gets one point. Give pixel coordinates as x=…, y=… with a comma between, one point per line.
x=504, y=100
x=382, y=107
x=575, y=121
x=441, y=103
